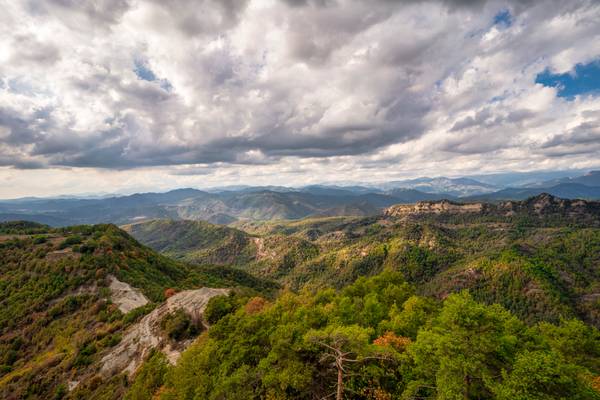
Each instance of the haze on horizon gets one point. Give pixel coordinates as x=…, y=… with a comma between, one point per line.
x=121, y=96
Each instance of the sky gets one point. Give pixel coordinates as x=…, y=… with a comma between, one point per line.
x=120, y=96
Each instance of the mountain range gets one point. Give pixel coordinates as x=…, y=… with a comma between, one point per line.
x=173, y=308
x=243, y=203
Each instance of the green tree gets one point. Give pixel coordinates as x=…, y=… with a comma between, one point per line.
x=463, y=353
x=149, y=378
x=542, y=375
x=345, y=346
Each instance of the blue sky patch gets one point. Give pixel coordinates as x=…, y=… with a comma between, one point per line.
x=584, y=80
x=143, y=71
x=503, y=18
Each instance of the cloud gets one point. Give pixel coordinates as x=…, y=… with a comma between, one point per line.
x=226, y=85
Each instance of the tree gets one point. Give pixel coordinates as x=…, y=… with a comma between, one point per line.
x=345, y=345
x=544, y=375
x=149, y=378
x=464, y=351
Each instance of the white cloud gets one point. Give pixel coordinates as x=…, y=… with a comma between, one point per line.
x=286, y=92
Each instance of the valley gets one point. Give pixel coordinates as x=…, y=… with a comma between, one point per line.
x=91, y=312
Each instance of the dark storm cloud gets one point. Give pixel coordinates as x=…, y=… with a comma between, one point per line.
x=22, y=130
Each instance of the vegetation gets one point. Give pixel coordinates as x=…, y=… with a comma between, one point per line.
x=541, y=269
x=468, y=306
x=56, y=318
x=376, y=339
x=179, y=325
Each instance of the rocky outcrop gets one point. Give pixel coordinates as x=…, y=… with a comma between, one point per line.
x=543, y=205
x=124, y=296
x=137, y=342
x=433, y=207
x=546, y=204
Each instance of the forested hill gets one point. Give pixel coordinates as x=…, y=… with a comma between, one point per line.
x=376, y=339
x=539, y=258
x=67, y=296
x=437, y=300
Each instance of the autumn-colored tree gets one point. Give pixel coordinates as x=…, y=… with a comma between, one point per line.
x=255, y=305
x=169, y=292
x=596, y=383
x=398, y=343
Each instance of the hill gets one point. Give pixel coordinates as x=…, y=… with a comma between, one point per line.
x=85, y=312
x=195, y=241
x=67, y=297
x=536, y=257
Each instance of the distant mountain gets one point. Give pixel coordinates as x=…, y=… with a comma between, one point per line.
x=524, y=179
x=246, y=203
x=564, y=190
x=334, y=190
x=412, y=195
x=39, y=218
x=457, y=187
x=591, y=178
x=222, y=207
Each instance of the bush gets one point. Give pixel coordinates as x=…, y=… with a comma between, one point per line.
x=61, y=391
x=137, y=313
x=217, y=308
x=70, y=241
x=85, y=355
x=179, y=325
x=39, y=239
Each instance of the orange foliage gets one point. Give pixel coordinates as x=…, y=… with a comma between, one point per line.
x=169, y=292
x=255, y=305
x=596, y=383
x=162, y=391
x=391, y=339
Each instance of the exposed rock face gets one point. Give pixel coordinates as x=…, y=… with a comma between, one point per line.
x=543, y=205
x=146, y=335
x=546, y=204
x=124, y=296
x=433, y=207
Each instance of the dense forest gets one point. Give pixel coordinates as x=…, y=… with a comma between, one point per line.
x=376, y=339
x=482, y=305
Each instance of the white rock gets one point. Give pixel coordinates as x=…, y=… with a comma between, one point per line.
x=137, y=342
x=125, y=296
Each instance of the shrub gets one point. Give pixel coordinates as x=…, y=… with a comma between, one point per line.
x=70, y=241
x=217, y=308
x=179, y=325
